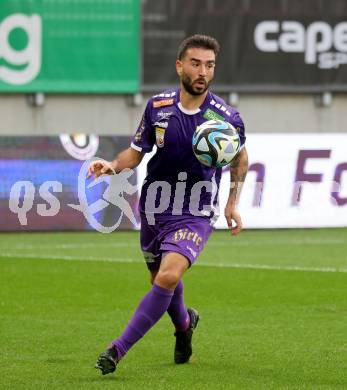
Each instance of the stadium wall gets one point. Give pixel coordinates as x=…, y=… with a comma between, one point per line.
x=118, y=115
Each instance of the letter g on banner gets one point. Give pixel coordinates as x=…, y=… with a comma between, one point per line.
x=29, y=56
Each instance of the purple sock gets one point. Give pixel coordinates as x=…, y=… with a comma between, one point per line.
x=177, y=311
x=152, y=307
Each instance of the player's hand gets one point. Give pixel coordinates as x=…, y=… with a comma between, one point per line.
x=100, y=168
x=231, y=214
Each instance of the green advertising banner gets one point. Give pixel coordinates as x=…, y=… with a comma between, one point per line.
x=82, y=46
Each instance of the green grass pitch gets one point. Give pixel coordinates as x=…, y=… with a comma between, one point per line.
x=273, y=307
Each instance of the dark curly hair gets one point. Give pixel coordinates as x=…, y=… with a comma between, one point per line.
x=198, y=41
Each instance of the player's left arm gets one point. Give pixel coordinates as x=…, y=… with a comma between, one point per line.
x=238, y=172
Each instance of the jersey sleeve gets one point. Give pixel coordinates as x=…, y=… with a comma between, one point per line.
x=237, y=122
x=144, y=138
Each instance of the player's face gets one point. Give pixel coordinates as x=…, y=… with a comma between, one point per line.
x=196, y=70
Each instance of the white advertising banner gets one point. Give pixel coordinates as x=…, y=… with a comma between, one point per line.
x=294, y=180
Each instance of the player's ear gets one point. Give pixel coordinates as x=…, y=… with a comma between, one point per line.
x=179, y=67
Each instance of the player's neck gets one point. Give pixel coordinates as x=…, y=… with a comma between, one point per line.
x=191, y=102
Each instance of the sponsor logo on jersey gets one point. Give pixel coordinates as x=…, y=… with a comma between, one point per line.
x=212, y=115
x=159, y=136
x=317, y=41
x=188, y=235
x=164, y=115
x=163, y=103
x=161, y=124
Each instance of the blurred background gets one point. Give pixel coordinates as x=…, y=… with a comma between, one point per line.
x=75, y=77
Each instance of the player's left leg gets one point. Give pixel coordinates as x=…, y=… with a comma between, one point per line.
x=185, y=321
x=152, y=307
x=177, y=310
x=188, y=237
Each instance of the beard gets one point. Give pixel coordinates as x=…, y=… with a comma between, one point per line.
x=189, y=86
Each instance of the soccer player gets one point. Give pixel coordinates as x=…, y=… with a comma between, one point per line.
x=173, y=231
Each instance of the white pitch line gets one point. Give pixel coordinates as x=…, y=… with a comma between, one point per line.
x=203, y=264
x=71, y=258
x=21, y=246
x=275, y=267
x=73, y=246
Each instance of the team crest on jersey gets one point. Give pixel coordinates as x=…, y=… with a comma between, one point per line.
x=159, y=136
x=163, y=103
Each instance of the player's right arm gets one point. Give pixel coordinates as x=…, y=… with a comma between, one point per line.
x=128, y=158
x=142, y=143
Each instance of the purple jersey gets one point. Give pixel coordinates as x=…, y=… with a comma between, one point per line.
x=177, y=183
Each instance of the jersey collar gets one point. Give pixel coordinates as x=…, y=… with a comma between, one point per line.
x=191, y=112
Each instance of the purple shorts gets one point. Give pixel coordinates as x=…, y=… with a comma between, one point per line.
x=186, y=235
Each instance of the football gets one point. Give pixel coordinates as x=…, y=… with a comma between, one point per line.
x=216, y=143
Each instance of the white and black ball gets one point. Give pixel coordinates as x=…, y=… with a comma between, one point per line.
x=216, y=143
